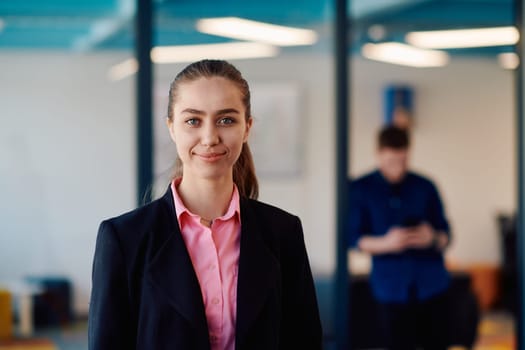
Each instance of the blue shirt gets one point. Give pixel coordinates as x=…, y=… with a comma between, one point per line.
x=377, y=205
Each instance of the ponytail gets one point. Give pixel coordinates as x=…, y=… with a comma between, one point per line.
x=244, y=174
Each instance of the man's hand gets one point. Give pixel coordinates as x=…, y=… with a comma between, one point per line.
x=421, y=237
x=396, y=240
x=424, y=236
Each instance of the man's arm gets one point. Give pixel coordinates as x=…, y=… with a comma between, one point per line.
x=435, y=233
x=396, y=240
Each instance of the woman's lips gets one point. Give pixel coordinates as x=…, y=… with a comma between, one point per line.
x=210, y=157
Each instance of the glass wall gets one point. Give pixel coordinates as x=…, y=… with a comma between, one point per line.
x=68, y=136
x=291, y=74
x=66, y=150
x=459, y=99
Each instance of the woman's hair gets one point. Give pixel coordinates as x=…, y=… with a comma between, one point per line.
x=243, y=169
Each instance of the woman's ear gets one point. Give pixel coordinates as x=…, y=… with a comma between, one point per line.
x=249, y=123
x=169, y=124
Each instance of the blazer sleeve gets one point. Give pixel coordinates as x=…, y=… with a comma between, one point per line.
x=109, y=312
x=301, y=325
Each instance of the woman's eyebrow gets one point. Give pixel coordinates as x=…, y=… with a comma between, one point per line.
x=193, y=111
x=219, y=112
x=228, y=111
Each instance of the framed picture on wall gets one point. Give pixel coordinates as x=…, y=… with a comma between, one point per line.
x=277, y=129
x=399, y=106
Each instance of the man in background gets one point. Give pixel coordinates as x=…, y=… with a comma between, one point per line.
x=397, y=216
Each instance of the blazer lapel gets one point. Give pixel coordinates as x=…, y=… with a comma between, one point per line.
x=258, y=272
x=172, y=272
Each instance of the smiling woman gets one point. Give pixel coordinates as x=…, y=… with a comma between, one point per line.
x=215, y=98
x=209, y=126
x=206, y=266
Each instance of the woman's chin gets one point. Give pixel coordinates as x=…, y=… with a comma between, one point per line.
x=210, y=173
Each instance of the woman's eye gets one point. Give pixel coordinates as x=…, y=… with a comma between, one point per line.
x=226, y=121
x=192, y=122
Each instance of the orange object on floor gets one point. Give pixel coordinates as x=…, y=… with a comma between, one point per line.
x=27, y=344
x=6, y=316
x=485, y=284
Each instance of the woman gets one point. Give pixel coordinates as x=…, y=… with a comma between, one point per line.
x=206, y=266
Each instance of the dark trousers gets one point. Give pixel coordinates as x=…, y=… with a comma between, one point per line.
x=417, y=324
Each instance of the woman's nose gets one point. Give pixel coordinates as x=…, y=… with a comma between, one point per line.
x=210, y=136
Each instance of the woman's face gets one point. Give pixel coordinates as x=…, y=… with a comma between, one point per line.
x=209, y=127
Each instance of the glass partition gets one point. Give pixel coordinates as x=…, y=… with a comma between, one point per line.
x=68, y=140
x=446, y=69
x=67, y=150
x=285, y=52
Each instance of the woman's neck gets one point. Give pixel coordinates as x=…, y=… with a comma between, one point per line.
x=209, y=199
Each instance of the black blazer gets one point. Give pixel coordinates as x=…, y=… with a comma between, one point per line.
x=146, y=294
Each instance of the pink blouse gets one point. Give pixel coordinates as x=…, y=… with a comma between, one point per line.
x=214, y=252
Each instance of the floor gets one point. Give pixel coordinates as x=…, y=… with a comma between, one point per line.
x=496, y=332
x=72, y=337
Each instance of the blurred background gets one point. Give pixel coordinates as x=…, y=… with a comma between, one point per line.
x=68, y=137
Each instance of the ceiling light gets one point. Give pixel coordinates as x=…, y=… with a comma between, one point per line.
x=509, y=60
x=464, y=38
x=405, y=55
x=226, y=51
x=243, y=29
x=191, y=53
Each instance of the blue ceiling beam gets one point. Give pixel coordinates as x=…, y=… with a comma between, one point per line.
x=291, y=12
x=448, y=13
x=56, y=8
x=107, y=24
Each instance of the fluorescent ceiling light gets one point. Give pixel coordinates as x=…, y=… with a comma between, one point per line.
x=243, y=29
x=405, y=55
x=464, y=38
x=191, y=53
x=509, y=60
x=227, y=51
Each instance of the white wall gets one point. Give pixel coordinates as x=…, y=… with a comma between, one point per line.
x=67, y=152
x=66, y=143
